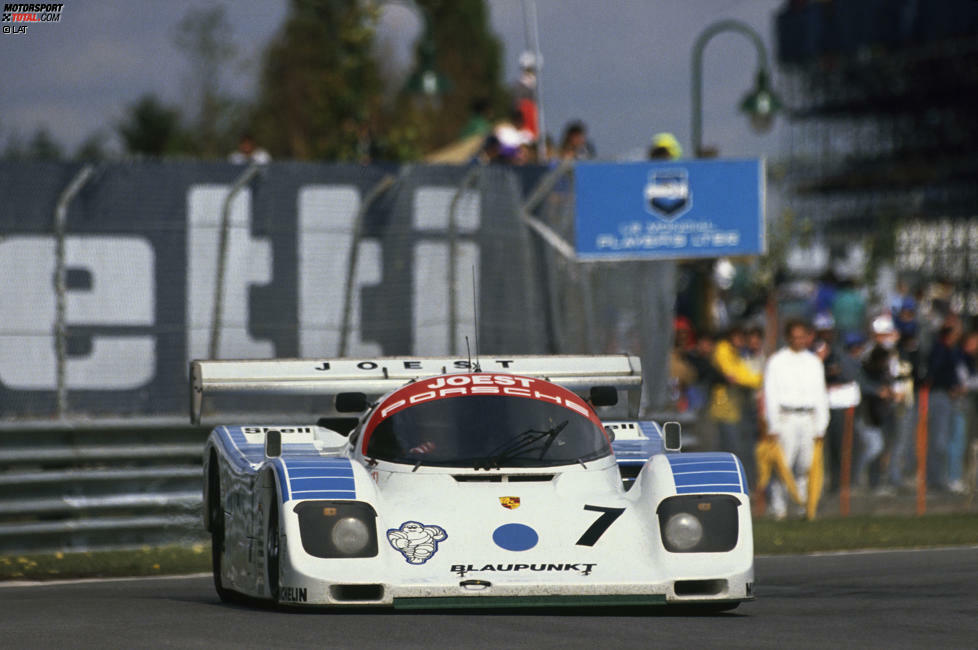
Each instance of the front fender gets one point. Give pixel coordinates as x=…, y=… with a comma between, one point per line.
x=699, y=478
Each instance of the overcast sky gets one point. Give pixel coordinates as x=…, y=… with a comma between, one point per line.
x=621, y=66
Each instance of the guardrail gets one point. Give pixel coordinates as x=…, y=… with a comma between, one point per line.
x=100, y=488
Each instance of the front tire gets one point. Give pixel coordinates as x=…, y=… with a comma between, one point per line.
x=272, y=550
x=215, y=516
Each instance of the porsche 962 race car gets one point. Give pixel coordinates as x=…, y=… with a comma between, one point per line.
x=462, y=487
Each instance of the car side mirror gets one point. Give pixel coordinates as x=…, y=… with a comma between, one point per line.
x=273, y=443
x=672, y=435
x=351, y=402
x=603, y=396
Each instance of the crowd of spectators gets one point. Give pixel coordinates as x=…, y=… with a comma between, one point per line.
x=908, y=363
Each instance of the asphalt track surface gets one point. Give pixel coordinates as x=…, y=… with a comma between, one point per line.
x=897, y=599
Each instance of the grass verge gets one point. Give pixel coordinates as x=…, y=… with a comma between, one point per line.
x=875, y=532
x=770, y=538
x=146, y=561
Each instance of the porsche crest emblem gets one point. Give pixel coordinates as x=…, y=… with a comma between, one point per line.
x=510, y=503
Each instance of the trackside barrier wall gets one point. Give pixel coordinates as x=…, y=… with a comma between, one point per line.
x=109, y=294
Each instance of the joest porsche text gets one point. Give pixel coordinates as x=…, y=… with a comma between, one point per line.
x=483, y=384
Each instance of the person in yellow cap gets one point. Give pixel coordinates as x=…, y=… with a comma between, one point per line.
x=796, y=405
x=664, y=146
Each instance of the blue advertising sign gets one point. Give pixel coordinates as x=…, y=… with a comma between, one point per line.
x=669, y=209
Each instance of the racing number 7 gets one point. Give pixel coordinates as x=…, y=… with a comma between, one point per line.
x=601, y=524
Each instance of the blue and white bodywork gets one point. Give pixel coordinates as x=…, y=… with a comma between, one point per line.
x=498, y=487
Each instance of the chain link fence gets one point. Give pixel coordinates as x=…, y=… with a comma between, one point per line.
x=119, y=275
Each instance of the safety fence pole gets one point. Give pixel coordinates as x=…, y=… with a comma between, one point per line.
x=222, y=255
x=923, y=399
x=540, y=192
x=567, y=256
x=61, y=282
x=351, y=262
x=846, y=473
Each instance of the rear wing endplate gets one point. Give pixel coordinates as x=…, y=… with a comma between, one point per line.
x=377, y=376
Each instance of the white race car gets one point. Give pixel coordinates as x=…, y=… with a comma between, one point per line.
x=461, y=487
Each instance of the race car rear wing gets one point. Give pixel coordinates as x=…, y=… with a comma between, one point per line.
x=376, y=376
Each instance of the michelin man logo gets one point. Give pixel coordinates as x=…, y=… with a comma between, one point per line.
x=416, y=541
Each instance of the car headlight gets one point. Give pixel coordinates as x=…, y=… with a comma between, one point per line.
x=335, y=529
x=699, y=523
x=683, y=531
x=350, y=535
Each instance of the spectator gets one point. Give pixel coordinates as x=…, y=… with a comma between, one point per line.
x=958, y=443
x=842, y=397
x=492, y=152
x=905, y=317
x=907, y=371
x=686, y=339
x=796, y=407
x=512, y=135
x=825, y=293
x=849, y=308
x=682, y=374
x=755, y=358
x=900, y=299
x=478, y=122
x=524, y=96
x=835, y=382
x=882, y=395
x=248, y=152
x=877, y=415
x=574, y=145
x=727, y=402
x=700, y=357
x=945, y=389
x=664, y=146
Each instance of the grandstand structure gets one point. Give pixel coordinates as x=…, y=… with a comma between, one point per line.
x=882, y=147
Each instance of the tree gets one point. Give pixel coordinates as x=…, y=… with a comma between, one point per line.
x=322, y=95
x=152, y=128
x=92, y=148
x=205, y=37
x=42, y=146
x=470, y=56
x=319, y=84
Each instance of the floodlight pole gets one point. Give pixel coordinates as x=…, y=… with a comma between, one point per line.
x=532, y=34
x=696, y=131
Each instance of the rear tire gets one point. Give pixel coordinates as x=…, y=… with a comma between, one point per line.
x=215, y=516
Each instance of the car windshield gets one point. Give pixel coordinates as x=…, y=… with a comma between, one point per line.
x=487, y=431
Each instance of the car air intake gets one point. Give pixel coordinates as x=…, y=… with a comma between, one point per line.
x=503, y=478
x=700, y=587
x=356, y=593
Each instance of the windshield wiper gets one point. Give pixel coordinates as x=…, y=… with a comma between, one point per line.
x=520, y=444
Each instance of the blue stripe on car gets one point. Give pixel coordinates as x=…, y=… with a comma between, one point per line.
x=320, y=478
x=283, y=479
x=302, y=472
x=237, y=450
x=707, y=472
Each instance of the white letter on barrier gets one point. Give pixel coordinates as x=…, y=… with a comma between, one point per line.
x=325, y=241
x=122, y=293
x=249, y=263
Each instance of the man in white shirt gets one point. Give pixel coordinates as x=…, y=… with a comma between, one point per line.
x=796, y=405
